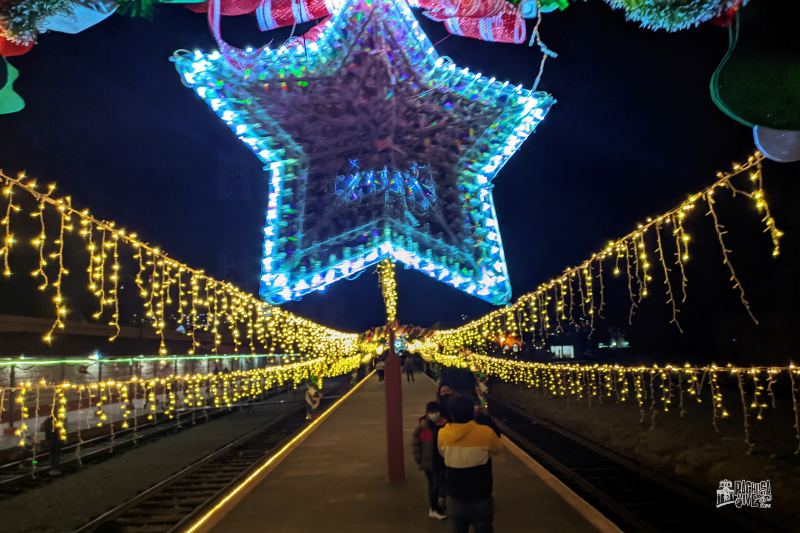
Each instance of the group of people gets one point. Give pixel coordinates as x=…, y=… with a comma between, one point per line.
x=453, y=444
x=408, y=366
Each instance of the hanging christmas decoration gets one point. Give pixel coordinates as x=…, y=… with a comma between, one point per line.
x=654, y=390
x=21, y=22
x=10, y=101
x=659, y=247
x=507, y=26
x=444, y=9
x=778, y=145
x=81, y=16
x=531, y=8
x=726, y=18
x=137, y=8
x=672, y=15
x=371, y=89
x=112, y=258
x=273, y=14
x=228, y=8
x=757, y=83
x=11, y=49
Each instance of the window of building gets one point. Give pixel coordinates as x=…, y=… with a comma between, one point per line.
x=563, y=351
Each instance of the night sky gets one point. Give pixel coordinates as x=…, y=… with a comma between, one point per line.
x=633, y=132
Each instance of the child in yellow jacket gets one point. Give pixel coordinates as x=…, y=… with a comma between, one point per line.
x=467, y=448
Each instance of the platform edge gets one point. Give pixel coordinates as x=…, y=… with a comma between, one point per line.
x=584, y=508
x=227, y=503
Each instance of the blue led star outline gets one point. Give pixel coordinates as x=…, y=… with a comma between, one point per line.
x=218, y=84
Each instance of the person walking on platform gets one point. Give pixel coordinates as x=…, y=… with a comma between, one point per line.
x=467, y=447
x=427, y=457
x=408, y=366
x=379, y=367
x=53, y=438
x=313, y=397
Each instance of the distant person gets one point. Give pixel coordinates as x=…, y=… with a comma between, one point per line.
x=408, y=366
x=313, y=399
x=379, y=367
x=467, y=447
x=53, y=439
x=428, y=458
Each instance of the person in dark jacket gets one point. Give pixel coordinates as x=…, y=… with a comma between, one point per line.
x=380, y=368
x=53, y=438
x=428, y=458
x=408, y=366
x=443, y=395
x=467, y=448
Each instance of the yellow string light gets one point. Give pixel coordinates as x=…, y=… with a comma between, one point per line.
x=8, y=236
x=482, y=334
x=230, y=313
x=388, y=288
x=40, y=242
x=221, y=390
x=652, y=386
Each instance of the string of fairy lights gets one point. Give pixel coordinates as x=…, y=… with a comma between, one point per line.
x=386, y=277
x=653, y=389
x=123, y=404
x=577, y=297
x=167, y=288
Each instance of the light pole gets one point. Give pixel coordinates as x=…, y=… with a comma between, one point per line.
x=392, y=381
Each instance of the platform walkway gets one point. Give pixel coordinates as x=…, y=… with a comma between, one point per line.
x=336, y=481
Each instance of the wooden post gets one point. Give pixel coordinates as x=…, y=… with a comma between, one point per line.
x=392, y=382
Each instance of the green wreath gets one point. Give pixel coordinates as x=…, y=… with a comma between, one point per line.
x=20, y=21
x=671, y=15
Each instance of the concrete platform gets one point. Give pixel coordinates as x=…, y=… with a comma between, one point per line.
x=336, y=481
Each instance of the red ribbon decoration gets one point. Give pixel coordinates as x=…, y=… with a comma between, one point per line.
x=726, y=18
x=9, y=49
x=508, y=26
x=273, y=14
x=441, y=10
x=229, y=8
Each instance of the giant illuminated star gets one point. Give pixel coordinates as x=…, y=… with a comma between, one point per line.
x=375, y=147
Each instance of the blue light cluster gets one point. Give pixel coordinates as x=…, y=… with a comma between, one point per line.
x=294, y=265
x=413, y=186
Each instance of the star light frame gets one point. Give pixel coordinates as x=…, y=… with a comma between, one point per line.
x=520, y=111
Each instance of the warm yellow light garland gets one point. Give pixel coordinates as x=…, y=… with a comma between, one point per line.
x=388, y=288
x=165, y=285
x=579, y=292
x=220, y=390
x=653, y=387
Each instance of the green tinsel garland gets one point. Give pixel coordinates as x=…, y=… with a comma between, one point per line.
x=20, y=20
x=671, y=15
x=137, y=8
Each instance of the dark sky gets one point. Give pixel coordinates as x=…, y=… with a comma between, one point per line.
x=633, y=132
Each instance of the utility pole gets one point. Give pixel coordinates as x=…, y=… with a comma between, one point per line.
x=392, y=382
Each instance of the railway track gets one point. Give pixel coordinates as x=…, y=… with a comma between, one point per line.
x=635, y=498
x=172, y=504
x=18, y=476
